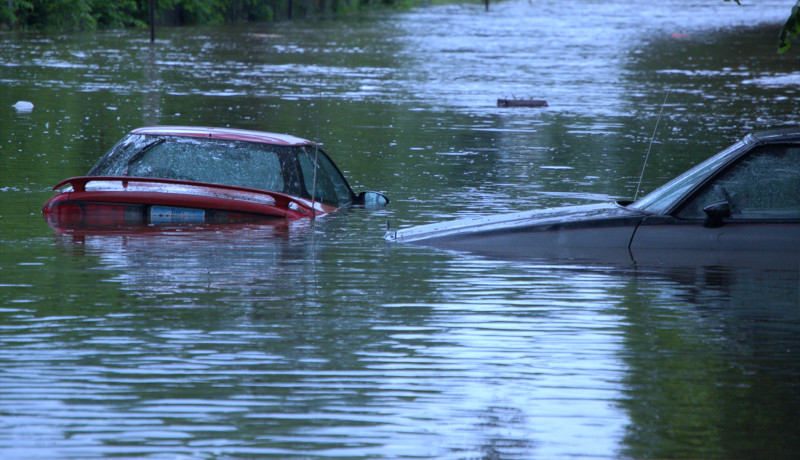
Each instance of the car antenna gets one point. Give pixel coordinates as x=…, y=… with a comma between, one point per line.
x=316, y=155
x=641, y=176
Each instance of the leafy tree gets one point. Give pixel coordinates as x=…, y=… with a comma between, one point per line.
x=55, y=14
x=117, y=14
x=789, y=31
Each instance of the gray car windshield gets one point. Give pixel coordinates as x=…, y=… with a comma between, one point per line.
x=275, y=168
x=664, y=198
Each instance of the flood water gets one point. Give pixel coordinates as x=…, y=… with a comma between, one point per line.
x=319, y=339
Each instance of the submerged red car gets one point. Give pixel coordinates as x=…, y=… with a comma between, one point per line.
x=180, y=174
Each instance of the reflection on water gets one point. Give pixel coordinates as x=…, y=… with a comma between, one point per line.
x=712, y=359
x=319, y=340
x=240, y=347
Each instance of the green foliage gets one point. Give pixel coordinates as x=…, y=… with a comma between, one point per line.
x=109, y=14
x=69, y=14
x=790, y=30
x=7, y=17
x=182, y=12
x=54, y=14
x=256, y=10
x=116, y=14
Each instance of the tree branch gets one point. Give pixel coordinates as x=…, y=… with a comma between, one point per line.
x=790, y=30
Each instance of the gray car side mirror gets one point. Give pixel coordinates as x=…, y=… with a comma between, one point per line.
x=371, y=199
x=716, y=213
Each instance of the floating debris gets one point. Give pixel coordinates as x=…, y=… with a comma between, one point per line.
x=23, y=106
x=521, y=103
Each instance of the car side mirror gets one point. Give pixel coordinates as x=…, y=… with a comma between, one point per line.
x=715, y=213
x=371, y=199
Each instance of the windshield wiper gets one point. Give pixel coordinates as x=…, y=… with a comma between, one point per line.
x=141, y=153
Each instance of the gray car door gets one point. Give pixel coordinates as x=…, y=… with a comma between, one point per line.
x=752, y=205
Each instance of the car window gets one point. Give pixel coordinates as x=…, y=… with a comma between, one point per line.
x=668, y=195
x=763, y=185
x=113, y=162
x=330, y=187
x=342, y=189
x=242, y=164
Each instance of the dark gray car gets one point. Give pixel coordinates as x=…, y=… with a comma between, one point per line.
x=745, y=199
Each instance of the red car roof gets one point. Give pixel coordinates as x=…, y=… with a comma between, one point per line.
x=223, y=133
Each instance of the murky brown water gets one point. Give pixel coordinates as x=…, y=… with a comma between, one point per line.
x=320, y=340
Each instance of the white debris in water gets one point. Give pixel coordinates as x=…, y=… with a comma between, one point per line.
x=788, y=79
x=23, y=106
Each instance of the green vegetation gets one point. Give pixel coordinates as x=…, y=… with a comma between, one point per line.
x=109, y=14
x=790, y=30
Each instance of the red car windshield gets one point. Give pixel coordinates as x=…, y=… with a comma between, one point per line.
x=277, y=168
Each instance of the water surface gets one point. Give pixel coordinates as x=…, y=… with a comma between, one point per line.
x=319, y=340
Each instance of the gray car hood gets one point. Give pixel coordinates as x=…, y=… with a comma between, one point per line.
x=584, y=214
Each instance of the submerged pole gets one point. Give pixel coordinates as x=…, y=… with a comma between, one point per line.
x=153, y=21
x=11, y=15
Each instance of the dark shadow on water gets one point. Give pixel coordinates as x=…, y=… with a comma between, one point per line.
x=712, y=368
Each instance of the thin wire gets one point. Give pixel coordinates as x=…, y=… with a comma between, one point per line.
x=314, y=183
x=316, y=155
x=313, y=205
x=641, y=176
